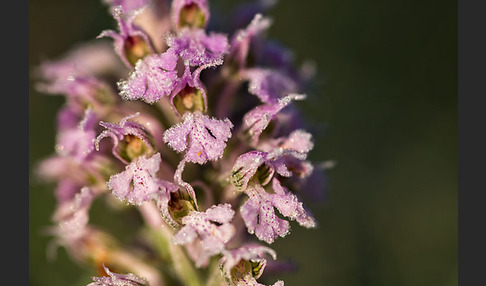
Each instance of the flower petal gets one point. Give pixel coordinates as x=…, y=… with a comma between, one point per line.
x=138, y=183
x=203, y=137
x=154, y=77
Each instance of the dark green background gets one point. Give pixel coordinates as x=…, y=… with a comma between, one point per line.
x=385, y=109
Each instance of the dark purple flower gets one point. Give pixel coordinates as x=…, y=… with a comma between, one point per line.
x=314, y=187
x=289, y=162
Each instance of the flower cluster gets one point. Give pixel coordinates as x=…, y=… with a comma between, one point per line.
x=196, y=130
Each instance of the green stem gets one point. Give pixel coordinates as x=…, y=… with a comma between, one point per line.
x=175, y=255
x=137, y=266
x=215, y=278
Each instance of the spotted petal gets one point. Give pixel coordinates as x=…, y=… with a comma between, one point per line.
x=138, y=183
x=154, y=77
x=203, y=138
x=212, y=227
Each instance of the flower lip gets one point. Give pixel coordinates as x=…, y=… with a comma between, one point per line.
x=202, y=137
x=153, y=78
x=138, y=182
x=259, y=215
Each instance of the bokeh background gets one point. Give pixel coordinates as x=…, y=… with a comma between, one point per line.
x=384, y=108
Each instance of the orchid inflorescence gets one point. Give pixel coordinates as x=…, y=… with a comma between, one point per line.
x=197, y=131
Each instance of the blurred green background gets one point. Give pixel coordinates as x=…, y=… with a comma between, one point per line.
x=385, y=108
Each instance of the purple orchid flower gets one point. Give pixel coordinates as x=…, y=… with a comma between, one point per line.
x=81, y=91
x=153, y=77
x=178, y=84
x=131, y=43
x=243, y=265
x=203, y=138
x=196, y=48
x=139, y=140
x=259, y=215
x=73, y=217
x=211, y=226
x=261, y=166
x=138, y=183
x=88, y=59
x=257, y=119
x=299, y=140
x=78, y=142
x=248, y=39
x=269, y=85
